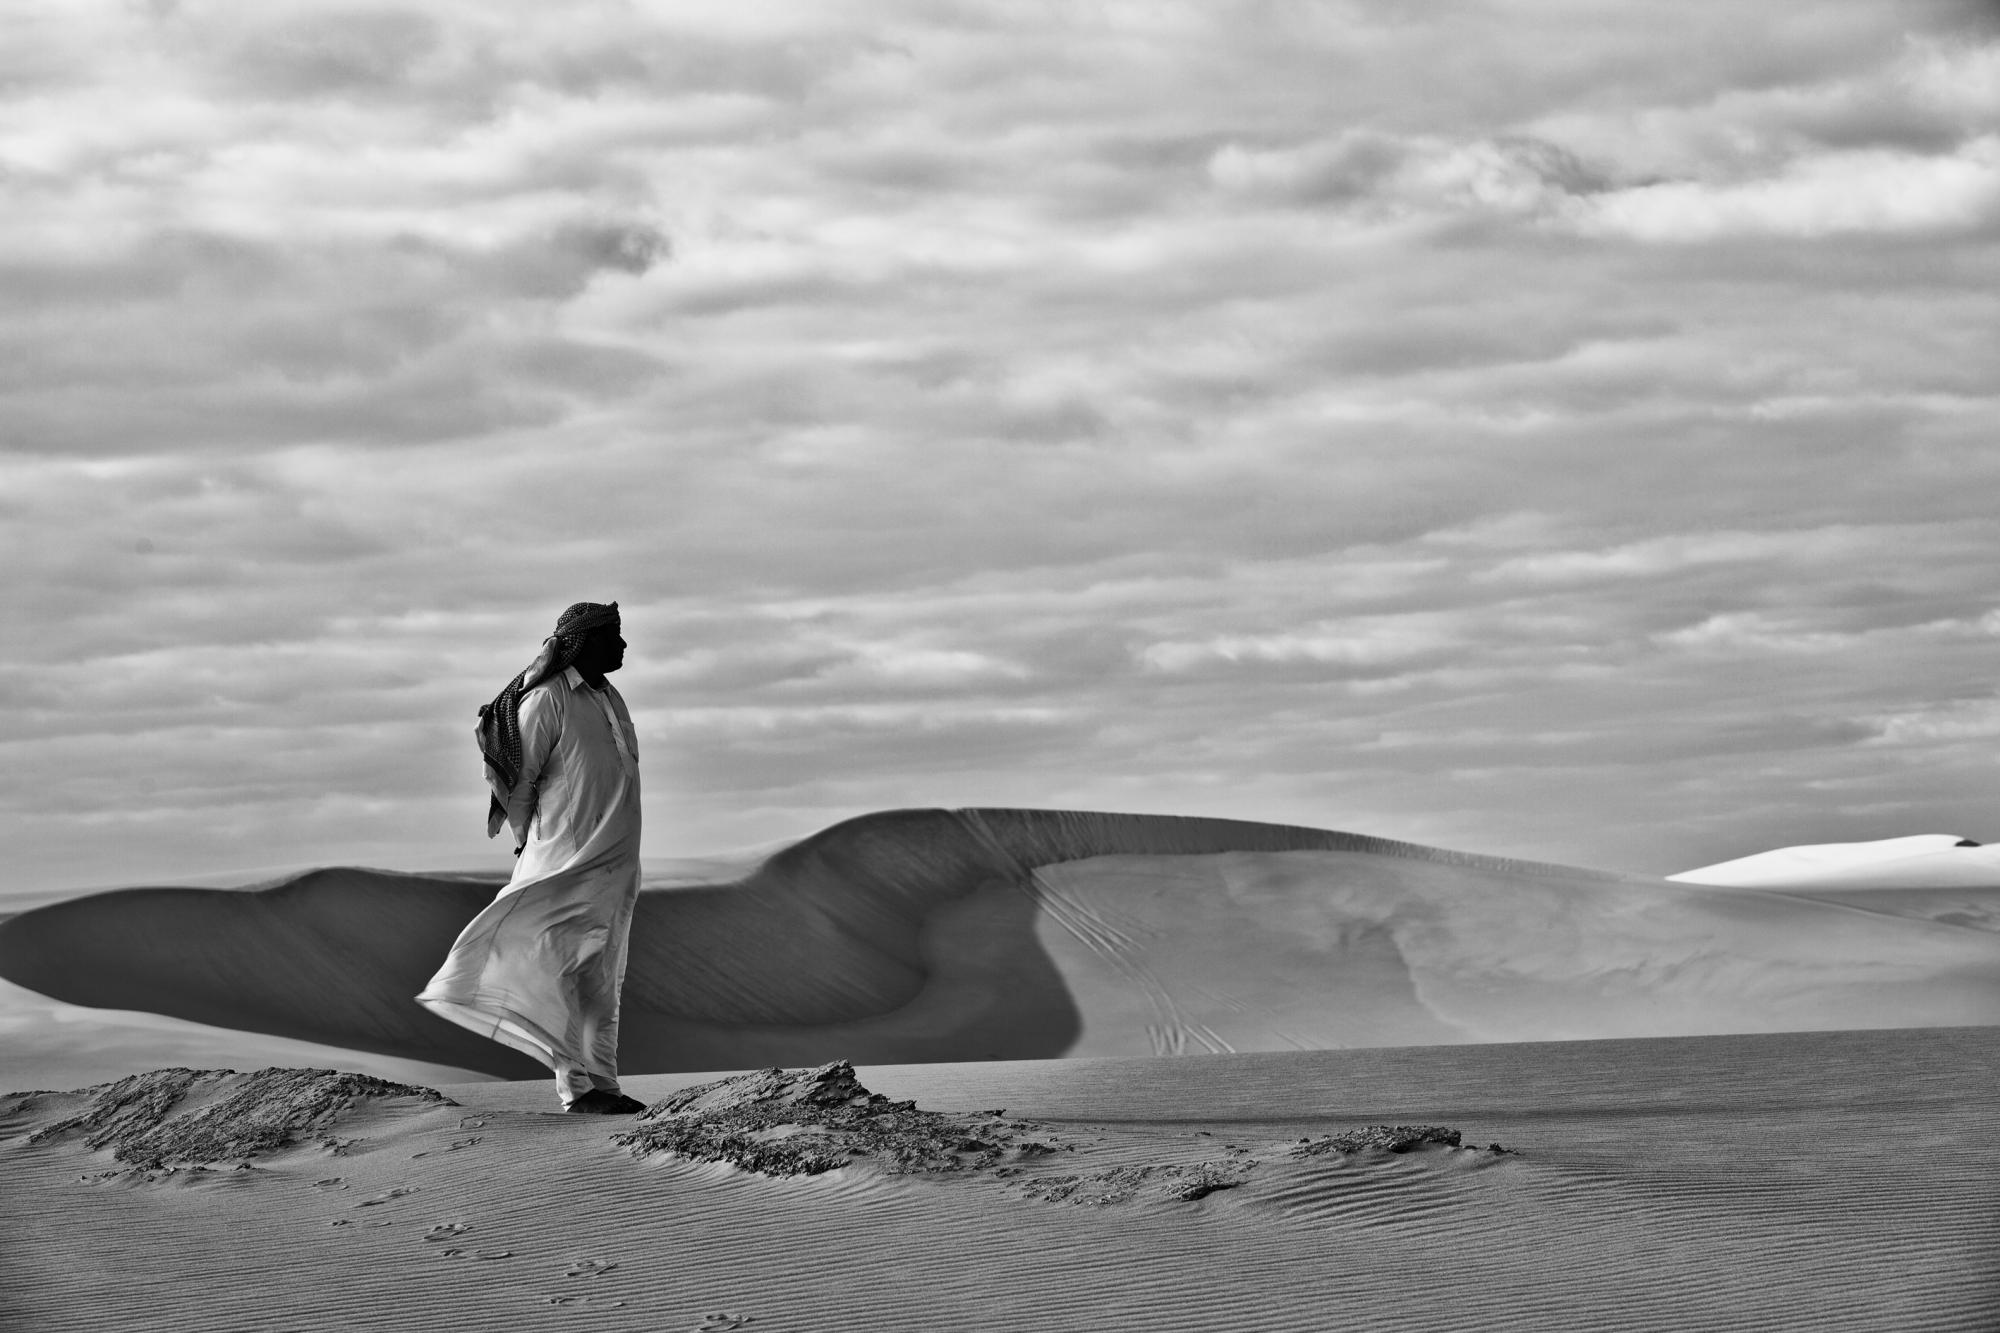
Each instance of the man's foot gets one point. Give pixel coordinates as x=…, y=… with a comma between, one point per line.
x=599, y=1102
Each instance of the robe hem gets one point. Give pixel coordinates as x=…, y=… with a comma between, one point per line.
x=506, y=1028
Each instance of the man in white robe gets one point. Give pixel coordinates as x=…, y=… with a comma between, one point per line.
x=541, y=968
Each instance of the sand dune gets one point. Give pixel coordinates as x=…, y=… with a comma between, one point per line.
x=1332, y=949
x=1932, y=877
x=935, y=935
x=1834, y=1181
x=1926, y=861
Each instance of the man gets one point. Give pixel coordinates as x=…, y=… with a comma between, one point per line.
x=540, y=969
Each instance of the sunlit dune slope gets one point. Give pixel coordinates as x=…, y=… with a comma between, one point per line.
x=1930, y=877
x=1926, y=861
x=1322, y=949
x=935, y=935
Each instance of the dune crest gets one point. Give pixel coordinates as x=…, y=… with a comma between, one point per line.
x=941, y=935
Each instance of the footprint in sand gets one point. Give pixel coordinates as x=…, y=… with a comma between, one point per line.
x=586, y=1302
x=388, y=1196
x=722, y=1321
x=454, y=1146
x=471, y=1122
x=330, y=1183
x=588, y=1268
x=447, y=1230
x=455, y=1253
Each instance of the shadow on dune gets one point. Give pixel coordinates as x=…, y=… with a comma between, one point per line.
x=325, y=957
x=897, y=937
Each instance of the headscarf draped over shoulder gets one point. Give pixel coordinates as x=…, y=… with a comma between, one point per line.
x=499, y=729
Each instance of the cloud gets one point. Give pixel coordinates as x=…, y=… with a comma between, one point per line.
x=1681, y=551
x=1365, y=645
x=1387, y=179
x=1958, y=720
x=1449, y=423
x=1863, y=191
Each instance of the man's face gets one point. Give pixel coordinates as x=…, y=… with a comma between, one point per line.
x=603, y=651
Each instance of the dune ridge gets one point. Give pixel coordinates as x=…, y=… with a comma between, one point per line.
x=943, y=935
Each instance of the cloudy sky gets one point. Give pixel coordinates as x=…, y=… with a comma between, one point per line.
x=1552, y=429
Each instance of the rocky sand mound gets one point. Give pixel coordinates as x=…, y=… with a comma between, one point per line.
x=781, y=1122
x=1388, y=1138
x=187, y=1117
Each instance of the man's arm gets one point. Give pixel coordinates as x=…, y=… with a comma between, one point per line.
x=541, y=723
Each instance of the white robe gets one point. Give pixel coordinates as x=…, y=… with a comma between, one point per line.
x=540, y=969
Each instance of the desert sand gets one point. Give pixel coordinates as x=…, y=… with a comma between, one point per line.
x=1101, y=1086
x=1796, y=1181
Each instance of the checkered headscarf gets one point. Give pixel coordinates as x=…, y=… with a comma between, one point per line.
x=499, y=729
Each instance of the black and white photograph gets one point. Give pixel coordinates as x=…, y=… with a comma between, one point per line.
x=1000, y=666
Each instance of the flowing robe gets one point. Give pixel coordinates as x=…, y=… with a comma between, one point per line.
x=540, y=969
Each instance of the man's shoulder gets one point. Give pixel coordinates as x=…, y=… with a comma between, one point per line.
x=552, y=692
